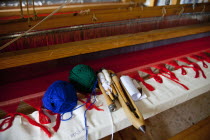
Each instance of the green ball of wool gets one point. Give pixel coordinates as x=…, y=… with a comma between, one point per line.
x=83, y=78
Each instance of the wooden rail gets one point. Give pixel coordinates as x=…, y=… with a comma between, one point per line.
x=106, y=15
x=175, y=2
x=30, y=56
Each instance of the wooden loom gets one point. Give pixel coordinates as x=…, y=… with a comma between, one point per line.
x=57, y=55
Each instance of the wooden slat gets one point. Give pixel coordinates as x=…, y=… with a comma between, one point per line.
x=67, y=8
x=153, y=3
x=199, y=131
x=30, y=56
x=102, y=16
x=175, y=2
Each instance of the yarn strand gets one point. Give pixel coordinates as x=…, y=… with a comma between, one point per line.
x=93, y=92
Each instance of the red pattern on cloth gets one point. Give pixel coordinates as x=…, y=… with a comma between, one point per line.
x=116, y=63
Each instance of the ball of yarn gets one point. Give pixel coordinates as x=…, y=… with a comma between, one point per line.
x=83, y=78
x=60, y=97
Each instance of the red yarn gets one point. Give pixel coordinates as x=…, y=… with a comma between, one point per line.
x=89, y=105
x=137, y=77
x=177, y=66
x=159, y=79
x=162, y=69
x=196, y=67
x=177, y=82
x=11, y=117
x=58, y=120
x=204, y=56
x=43, y=118
x=198, y=58
x=153, y=75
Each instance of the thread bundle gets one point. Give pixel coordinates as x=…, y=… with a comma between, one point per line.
x=60, y=97
x=83, y=78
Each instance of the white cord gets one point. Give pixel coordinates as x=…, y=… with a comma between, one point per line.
x=112, y=123
x=21, y=35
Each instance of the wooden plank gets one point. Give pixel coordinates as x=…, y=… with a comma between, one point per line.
x=199, y=131
x=30, y=56
x=102, y=16
x=68, y=8
x=175, y=2
x=153, y=3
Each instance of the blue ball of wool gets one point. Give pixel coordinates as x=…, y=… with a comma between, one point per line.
x=60, y=97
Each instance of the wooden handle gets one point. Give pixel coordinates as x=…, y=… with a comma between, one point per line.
x=136, y=121
x=114, y=91
x=141, y=119
x=118, y=87
x=109, y=102
x=111, y=96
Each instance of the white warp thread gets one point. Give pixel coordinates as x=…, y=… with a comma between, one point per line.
x=130, y=87
x=112, y=123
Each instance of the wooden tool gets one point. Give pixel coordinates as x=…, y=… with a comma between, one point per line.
x=131, y=110
x=110, y=103
x=103, y=80
x=108, y=78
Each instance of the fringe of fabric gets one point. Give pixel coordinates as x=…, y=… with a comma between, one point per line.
x=163, y=71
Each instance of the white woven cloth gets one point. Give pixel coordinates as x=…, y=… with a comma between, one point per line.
x=166, y=95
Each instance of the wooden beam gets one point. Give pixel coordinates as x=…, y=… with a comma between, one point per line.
x=8, y=27
x=153, y=3
x=175, y=2
x=30, y=56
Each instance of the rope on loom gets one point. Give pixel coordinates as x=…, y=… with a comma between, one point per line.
x=21, y=35
x=163, y=12
x=181, y=11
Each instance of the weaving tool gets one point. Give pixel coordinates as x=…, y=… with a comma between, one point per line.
x=110, y=103
x=131, y=110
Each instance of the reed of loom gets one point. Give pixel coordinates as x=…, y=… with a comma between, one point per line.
x=128, y=105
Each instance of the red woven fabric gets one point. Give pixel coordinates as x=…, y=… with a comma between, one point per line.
x=117, y=63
